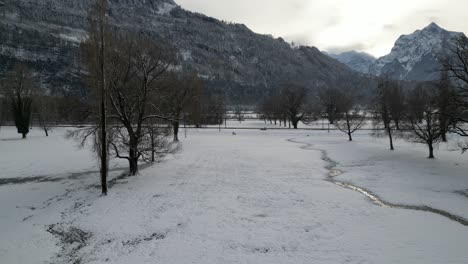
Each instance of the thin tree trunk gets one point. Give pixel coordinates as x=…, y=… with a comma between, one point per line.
x=153, y=145
x=349, y=127
x=104, y=158
x=175, y=126
x=24, y=135
x=390, y=137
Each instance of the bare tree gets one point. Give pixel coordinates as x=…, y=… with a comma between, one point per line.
x=456, y=67
x=329, y=100
x=424, y=117
x=386, y=110
x=136, y=64
x=95, y=48
x=19, y=90
x=295, y=104
x=397, y=105
x=351, y=117
x=178, y=93
x=239, y=113
x=445, y=97
x=272, y=108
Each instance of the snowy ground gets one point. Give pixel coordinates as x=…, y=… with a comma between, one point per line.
x=254, y=197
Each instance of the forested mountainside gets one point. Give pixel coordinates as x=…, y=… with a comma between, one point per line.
x=233, y=60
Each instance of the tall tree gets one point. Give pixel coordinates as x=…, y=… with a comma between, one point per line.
x=445, y=97
x=295, y=106
x=329, y=99
x=387, y=112
x=136, y=66
x=179, y=91
x=19, y=89
x=96, y=51
x=456, y=66
x=351, y=117
x=396, y=105
x=424, y=117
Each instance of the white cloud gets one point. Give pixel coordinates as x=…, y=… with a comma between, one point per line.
x=371, y=25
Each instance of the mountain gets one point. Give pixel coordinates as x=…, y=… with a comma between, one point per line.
x=415, y=57
x=358, y=61
x=233, y=60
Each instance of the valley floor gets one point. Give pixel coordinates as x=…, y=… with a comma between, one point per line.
x=254, y=197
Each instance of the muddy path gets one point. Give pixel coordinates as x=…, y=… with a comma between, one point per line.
x=333, y=172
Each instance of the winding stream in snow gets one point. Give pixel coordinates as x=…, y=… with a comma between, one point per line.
x=334, y=172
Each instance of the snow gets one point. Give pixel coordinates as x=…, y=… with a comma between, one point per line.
x=250, y=198
x=166, y=8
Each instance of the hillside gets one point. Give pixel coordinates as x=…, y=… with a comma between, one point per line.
x=234, y=60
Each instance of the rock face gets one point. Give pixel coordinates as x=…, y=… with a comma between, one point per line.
x=235, y=61
x=415, y=57
x=358, y=61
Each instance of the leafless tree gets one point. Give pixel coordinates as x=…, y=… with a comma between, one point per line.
x=45, y=111
x=95, y=48
x=272, y=108
x=350, y=118
x=136, y=65
x=445, y=99
x=178, y=92
x=456, y=67
x=424, y=117
x=397, y=105
x=239, y=113
x=295, y=105
x=329, y=100
x=19, y=89
x=387, y=110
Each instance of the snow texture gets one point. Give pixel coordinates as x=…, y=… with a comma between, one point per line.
x=253, y=197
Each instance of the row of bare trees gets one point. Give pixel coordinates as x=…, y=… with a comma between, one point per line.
x=289, y=105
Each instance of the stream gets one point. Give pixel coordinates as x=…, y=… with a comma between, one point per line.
x=333, y=172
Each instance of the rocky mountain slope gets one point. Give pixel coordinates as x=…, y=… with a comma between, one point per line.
x=416, y=56
x=358, y=61
x=235, y=61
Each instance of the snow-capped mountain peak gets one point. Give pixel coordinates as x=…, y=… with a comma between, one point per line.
x=415, y=56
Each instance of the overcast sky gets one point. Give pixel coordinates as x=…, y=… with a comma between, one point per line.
x=371, y=26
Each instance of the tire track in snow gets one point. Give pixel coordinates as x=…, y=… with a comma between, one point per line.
x=334, y=172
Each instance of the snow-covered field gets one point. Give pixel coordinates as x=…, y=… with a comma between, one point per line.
x=254, y=197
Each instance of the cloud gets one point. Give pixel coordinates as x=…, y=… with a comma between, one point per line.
x=365, y=25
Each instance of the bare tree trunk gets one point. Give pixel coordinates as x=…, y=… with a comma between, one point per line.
x=349, y=127
x=103, y=129
x=175, y=126
x=44, y=126
x=24, y=135
x=295, y=123
x=133, y=162
x=431, y=150
x=389, y=131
